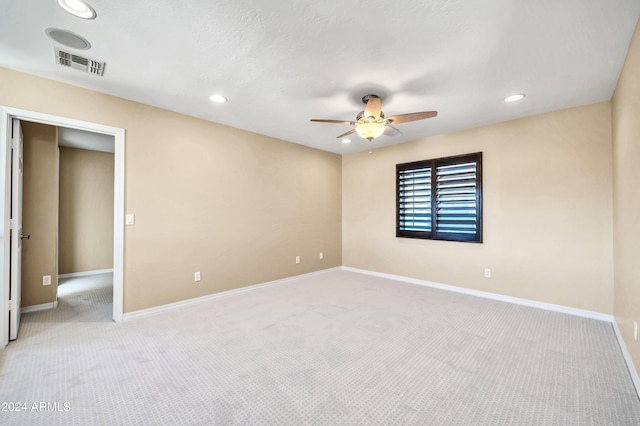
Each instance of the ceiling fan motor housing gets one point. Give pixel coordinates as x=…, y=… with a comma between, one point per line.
x=361, y=115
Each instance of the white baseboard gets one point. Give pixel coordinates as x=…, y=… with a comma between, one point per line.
x=487, y=295
x=85, y=273
x=151, y=311
x=36, y=308
x=627, y=357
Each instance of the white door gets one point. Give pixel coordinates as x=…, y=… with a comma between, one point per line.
x=16, y=229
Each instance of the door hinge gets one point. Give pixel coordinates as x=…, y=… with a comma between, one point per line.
x=13, y=305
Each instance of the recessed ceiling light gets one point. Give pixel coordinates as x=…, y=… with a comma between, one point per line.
x=514, y=98
x=218, y=98
x=346, y=140
x=78, y=8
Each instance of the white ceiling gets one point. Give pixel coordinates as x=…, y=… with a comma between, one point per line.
x=283, y=62
x=81, y=139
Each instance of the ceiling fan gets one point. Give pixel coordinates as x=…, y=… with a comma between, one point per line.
x=371, y=123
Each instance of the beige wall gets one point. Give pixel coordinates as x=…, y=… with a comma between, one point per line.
x=39, y=213
x=86, y=211
x=626, y=197
x=547, y=188
x=234, y=205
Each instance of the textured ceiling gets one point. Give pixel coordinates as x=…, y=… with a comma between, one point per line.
x=283, y=62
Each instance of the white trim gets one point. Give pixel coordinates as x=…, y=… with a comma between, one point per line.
x=627, y=357
x=487, y=295
x=86, y=273
x=6, y=113
x=36, y=308
x=118, y=226
x=170, y=306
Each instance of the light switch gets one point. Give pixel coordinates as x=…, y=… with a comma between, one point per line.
x=130, y=219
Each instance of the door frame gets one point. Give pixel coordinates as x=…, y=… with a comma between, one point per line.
x=6, y=116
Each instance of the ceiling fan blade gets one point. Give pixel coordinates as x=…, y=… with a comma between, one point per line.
x=391, y=131
x=413, y=116
x=346, y=134
x=373, y=107
x=333, y=121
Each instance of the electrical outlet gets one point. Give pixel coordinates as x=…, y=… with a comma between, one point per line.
x=297, y=259
x=46, y=280
x=196, y=276
x=487, y=273
x=635, y=331
x=321, y=255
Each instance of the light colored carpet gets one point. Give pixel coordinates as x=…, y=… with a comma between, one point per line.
x=71, y=286
x=337, y=348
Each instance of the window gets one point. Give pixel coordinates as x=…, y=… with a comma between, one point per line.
x=440, y=199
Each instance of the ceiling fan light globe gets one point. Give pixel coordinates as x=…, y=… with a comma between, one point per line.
x=370, y=130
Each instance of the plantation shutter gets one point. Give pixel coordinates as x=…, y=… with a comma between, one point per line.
x=457, y=199
x=440, y=199
x=414, y=192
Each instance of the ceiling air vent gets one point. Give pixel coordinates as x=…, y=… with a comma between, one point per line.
x=78, y=62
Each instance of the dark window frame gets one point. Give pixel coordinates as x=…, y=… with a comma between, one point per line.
x=433, y=165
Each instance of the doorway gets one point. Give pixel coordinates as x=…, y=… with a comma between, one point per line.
x=85, y=219
x=7, y=117
x=85, y=223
